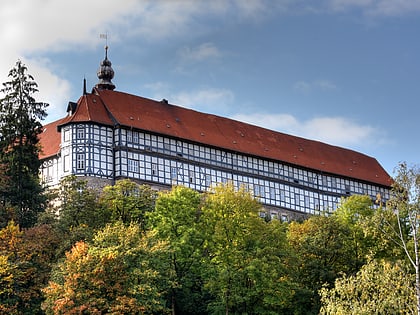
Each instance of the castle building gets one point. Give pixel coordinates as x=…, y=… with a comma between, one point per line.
x=109, y=135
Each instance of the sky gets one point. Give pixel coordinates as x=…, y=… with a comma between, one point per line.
x=344, y=72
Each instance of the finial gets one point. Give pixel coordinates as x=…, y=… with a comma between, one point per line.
x=84, y=86
x=105, y=72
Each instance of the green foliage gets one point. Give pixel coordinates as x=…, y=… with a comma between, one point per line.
x=354, y=212
x=379, y=287
x=78, y=205
x=128, y=201
x=177, y=220
x=189, y=253
x=323, y=251
x=114, y=275
x=245, y=256
x=20, y=125
x=75, y=214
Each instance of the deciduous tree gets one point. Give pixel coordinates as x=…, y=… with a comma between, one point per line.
x=321, y=245
x=246, y=256
x=177, y=220
x=26, y=258
x=115, y=274
x=128, y=201
x=380, y=287
x=401, y=220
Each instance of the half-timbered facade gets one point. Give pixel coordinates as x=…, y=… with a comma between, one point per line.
x=109, y=135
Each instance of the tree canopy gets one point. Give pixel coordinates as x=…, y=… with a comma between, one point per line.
x=20, y=125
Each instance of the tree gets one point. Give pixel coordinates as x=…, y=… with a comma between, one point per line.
x=246, y=256
x=115, y=274
x=323, y=250
x=26, y=258
x=401, y=220
x=128, y=201
x=75, y=212
x=177, y=220
x=380, y=287
x=20, y=125
x=77, y=205
x=353, y=212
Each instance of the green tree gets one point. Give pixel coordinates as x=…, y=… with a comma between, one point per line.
x=128, y=201
x=116, y=274
x=380, y=287
x=75, y=212
x=245, y=256
x=20, y=125
x=77, y=205
x=177, y=220
x=353, y=212
x=401, y=220
x=322, y=248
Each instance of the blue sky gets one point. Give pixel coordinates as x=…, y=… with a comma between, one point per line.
x=345, y=72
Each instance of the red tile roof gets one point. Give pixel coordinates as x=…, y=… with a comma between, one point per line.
x=112, y=107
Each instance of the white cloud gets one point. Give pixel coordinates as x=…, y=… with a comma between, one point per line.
x=304, y=86
x=37, y=27
x=333, y=130
x=208, y=100
x=52, y=89
x=377, y=7
x=202, y=52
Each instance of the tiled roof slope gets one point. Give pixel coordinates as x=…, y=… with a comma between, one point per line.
x=112, y=107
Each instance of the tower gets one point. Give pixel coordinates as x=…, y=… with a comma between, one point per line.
x=105, y=74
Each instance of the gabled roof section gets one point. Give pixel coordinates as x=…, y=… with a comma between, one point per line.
x=50, y=139
x=90, y=108
x=163, y=118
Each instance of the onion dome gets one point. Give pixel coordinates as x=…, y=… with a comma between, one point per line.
x=105, y=74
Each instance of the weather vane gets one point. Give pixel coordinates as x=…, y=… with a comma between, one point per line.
x=104, y=36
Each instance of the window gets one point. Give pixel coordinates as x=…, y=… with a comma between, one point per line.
x=133, y=165
x=154, y=169
x=208, y=180
x=66, y=162
x=129, y=136
x=80, y=161
x=66, y=135
x=80, y=133
x=259, y=190
x=135, y=137
x=282, y=195
x=191, y=176
x=174, y=173
x=272, y=193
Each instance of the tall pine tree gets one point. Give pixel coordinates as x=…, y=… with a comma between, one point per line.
x=20, y=125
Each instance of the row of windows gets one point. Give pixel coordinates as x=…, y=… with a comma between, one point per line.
x=245, y=163
x=169, y=172
x=210, y=156
x=87, y=133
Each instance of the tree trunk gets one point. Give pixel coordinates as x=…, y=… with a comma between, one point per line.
x=417, y=266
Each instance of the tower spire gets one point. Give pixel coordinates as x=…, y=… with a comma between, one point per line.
x=105, y=74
